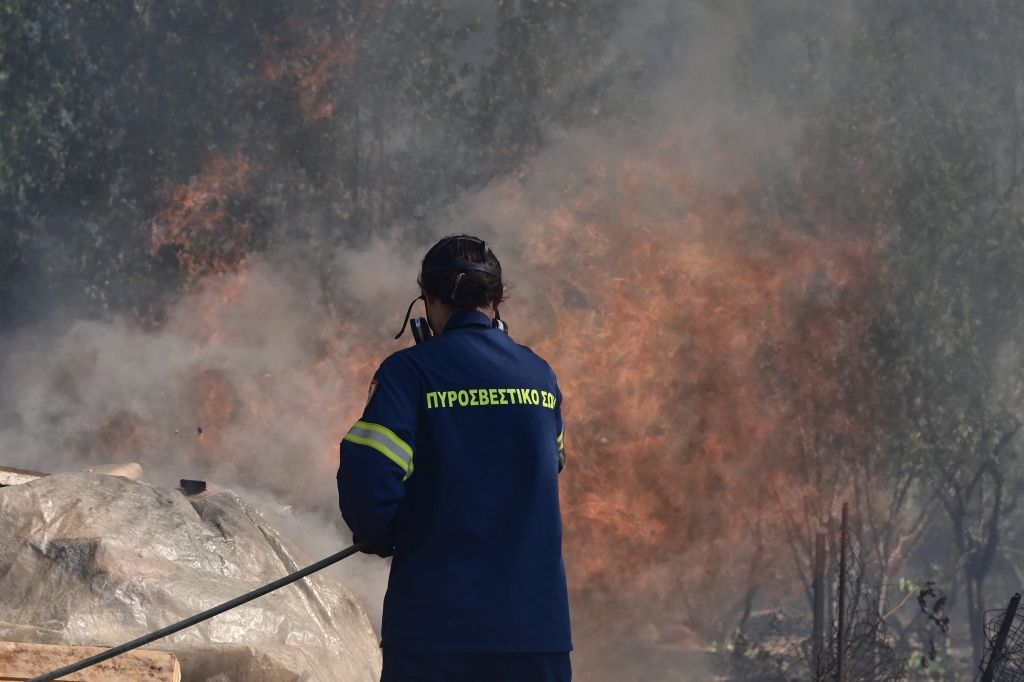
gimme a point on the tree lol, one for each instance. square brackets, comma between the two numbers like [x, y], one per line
[934, 172]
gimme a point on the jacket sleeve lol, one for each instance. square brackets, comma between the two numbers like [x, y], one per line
[377, 457]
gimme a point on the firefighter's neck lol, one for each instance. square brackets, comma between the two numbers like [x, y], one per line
[439, 312]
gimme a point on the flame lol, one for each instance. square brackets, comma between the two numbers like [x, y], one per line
[199, 225]
[709, 356]
[311, 67]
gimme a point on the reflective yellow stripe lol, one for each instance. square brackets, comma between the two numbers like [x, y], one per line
[561, 438]
[384, 441]
[407, 468]
[388, 433]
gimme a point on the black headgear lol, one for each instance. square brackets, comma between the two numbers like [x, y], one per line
[439, 258]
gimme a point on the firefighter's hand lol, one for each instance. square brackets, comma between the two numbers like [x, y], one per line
[383, 547]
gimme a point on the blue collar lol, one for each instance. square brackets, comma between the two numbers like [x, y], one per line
[469, 318]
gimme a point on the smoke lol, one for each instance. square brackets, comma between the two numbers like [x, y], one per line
[706, 341]
[235, 385]
[319, 533]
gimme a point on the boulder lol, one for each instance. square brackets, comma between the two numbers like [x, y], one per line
[92, 559]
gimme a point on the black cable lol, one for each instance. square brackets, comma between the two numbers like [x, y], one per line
[407, 314]
[200, 617]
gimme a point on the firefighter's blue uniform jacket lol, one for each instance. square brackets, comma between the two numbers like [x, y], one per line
[453, 468]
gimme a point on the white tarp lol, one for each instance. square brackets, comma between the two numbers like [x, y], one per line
[98, 560]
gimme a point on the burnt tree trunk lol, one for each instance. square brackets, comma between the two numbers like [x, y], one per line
[979, 562]
[978, 552]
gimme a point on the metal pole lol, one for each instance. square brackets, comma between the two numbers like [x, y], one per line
[200, 617]
[818, 607]
[841, 630]
[997, 646]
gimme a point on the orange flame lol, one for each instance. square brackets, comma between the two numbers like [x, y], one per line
[710, 361]
[198, 223]
[311, 67]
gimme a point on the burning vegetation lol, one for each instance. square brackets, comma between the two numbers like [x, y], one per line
[200, 227]
[713, 363]
[773, 259]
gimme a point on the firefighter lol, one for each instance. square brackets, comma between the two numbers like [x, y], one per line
[452, 470]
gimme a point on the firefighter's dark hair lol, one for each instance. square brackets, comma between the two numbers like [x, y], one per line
[463, 272]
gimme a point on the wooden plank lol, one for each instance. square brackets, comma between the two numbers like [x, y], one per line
[130, 470]
[20, 661]
[12, 476]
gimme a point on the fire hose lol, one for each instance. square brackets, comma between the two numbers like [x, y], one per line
[200, 617]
